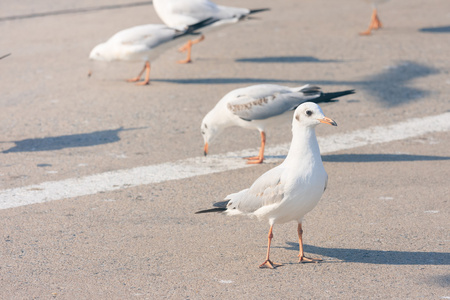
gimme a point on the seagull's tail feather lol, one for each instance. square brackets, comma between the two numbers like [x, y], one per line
[331, 97]
[258, 10]
[218, 207]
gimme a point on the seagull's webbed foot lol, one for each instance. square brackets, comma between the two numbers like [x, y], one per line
[185, 61]
[186, 47]
[143, 82]
[146, 69]
[254, 160]
[304, 259]
[135, 79]
[269, 264]
[367, 32]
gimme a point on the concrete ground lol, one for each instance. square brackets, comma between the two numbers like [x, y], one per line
[382, 227]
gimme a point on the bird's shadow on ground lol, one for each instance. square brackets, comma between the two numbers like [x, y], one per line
[383, 257]
[361, 158]
[441, 29]
[390, 87]
[285, 59]
[67, 141]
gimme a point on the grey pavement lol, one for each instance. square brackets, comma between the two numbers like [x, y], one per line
[382, 227]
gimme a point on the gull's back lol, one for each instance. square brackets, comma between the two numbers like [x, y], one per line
[181, 13]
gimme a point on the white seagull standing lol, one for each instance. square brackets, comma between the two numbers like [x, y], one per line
[143, 43]
[181, 13]
[289, 191]
[259, 106]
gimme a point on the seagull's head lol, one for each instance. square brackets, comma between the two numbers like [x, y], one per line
[100, 52]
[310, 114]
[210, 130]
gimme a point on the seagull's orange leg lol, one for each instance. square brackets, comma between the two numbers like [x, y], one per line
[187, 47]
[375, 23]
[268, 263]
[259, 159]
[147, 75]
[301, 256]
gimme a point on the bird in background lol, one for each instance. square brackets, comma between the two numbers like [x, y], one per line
[292, 189]
[180, 13]
[375, 22]
[144, 43]
[258, 107]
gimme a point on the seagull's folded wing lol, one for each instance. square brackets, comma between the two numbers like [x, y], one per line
[266, 190]
[146, 35]
[265, 103]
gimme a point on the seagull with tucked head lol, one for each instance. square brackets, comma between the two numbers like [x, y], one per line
[258, 107]
[292, 189]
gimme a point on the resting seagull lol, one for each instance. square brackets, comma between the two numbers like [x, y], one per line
[289, 191]
[181, 13]
[143, 43]
[259, 106]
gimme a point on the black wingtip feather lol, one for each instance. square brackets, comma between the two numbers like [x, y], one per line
[255, 11]
[331, 97]
[191, 29]
[217, 209]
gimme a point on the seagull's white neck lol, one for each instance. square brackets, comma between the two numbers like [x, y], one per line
[304, 147]
[220, 118]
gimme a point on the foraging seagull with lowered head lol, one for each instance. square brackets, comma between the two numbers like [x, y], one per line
[181, 13]
[292, 189]
[259, 106]
[144, 43]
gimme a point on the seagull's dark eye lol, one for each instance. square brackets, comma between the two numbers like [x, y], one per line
[309, 113]
[206, 126]
[203, 132]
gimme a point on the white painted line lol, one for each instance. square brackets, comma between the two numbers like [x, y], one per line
[110, 181]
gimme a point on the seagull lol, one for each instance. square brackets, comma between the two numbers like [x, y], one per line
[180, 13]
[143, 43]
[259, 106]
[375, 22]
[292, 189]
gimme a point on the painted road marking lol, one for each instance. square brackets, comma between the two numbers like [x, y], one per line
[115, 180]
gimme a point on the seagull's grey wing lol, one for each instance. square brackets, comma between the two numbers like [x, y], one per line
[266, 190]
[269, 101]
[191, 12]
[149, 35]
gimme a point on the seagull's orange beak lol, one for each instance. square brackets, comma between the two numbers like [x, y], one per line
[205, 149]
[328, 121]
